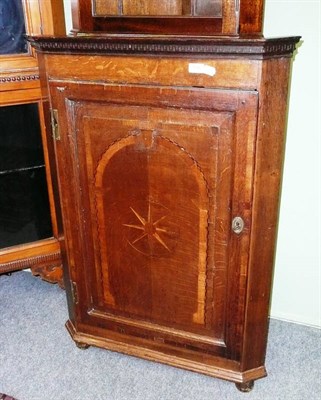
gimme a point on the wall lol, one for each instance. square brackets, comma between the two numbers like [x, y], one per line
[297, 281]
[67, 6]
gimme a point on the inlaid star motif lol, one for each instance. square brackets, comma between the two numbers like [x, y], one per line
[148, 227]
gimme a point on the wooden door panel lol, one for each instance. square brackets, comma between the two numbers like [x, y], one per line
[158, 183]
[147, 275]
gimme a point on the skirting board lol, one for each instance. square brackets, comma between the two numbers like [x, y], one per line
[294, 320]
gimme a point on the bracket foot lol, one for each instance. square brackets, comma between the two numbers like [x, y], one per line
[245, 387]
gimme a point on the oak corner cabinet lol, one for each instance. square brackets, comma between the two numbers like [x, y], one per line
[169, 153]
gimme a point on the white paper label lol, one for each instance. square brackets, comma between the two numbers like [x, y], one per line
[199, 68]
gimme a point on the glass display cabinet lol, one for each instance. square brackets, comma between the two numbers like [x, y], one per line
[169, 120]
[29, 227]
[24, 203]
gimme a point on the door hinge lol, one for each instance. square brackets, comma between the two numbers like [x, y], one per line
[74, 292]
[55, 125]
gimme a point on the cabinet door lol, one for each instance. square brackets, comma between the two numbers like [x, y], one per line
[151, 179]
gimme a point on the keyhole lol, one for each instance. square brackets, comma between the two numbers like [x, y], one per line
[237, 225]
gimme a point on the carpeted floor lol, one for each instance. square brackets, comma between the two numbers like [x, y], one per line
[39, 361]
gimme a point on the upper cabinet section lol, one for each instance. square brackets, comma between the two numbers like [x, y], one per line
[167, 8]
[179, 17]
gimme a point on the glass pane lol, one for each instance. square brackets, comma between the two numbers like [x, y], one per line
[12, 27]
[103, 7]
[208, 8]
[24, 203]
[152, 7]
[203, 8]
[20, 137]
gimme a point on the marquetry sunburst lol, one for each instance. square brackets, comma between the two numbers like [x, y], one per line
[148, 229]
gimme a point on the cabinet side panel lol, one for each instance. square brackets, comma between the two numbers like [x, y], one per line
[229, 17]
[82, 19]
[251, 17]
[269, 160]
